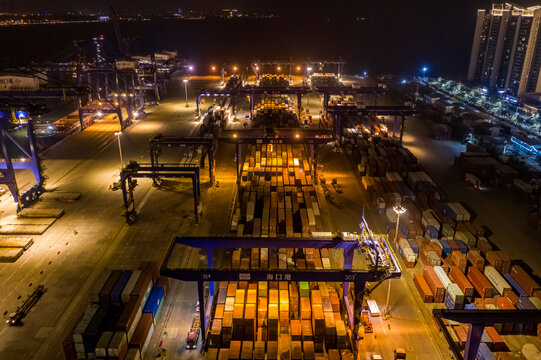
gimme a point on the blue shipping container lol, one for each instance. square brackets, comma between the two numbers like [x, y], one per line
[470, 307]
[484, 352]
[413, 246]
[116, 293]
[154, 301]
[515, 285]
[463, 248]
[446, 247]
[450, 303]
[432, 232]
[524, 303]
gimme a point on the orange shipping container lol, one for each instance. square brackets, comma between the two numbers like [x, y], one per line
[481, 283]
[458, 277]
[423, 288]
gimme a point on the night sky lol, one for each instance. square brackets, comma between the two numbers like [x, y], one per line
[415, 8]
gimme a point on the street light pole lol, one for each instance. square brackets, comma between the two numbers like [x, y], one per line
[118, 133]
[398, 209]
[186, 91]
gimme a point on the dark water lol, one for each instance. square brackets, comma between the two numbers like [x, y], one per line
[400, 46]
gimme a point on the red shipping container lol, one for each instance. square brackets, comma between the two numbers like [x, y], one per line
[423, 288]
[105, 293]
[481, 283]
[152, 267]
[497, 340]
[458, 277]
[504, 303]
[524, 280]
[434, 283]
[462, 334]
[142, 330]
[506, 261]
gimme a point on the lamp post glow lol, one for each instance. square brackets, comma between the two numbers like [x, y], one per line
[399, 210]
[424, 69]
[118, 133]
[186, 91]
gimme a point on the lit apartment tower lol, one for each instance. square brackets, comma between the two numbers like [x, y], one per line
[506, 50]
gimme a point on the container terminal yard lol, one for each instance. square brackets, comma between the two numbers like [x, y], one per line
[272, 212]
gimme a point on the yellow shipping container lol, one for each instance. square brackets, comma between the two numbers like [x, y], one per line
[229, 304]
[239, 296]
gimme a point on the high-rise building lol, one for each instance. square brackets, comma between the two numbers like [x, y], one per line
[506, 50]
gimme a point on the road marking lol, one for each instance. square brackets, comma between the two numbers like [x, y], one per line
[145, 199]
[79, 298]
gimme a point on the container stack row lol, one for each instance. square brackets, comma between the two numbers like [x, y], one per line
[278, 320]
[376, 158]
[276, 196]
[277, 111]
[459, 267]
[120, 319]
[269, 80]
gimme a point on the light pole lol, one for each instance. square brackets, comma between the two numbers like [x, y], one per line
[118, 133]
[424, 70]
[399, 210]
[186, 91]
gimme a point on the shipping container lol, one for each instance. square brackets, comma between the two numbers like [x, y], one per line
[94, 293]
[154, 302]
[130, 316]
[126, 293]
[524, 280]
[481, 284]
[497, 280]
[105, 292]
[143, 333]
[118, 346]
[116, 291]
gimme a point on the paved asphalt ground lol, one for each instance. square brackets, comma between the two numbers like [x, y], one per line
[92, 236]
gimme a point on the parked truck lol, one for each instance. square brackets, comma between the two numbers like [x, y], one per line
[193, 335]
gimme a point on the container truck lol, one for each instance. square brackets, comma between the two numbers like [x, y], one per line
[193, 334]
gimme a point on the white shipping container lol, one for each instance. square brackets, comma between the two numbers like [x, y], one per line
[373, 307]
[126, 293]
[404, 244]
[327, 235]
[456, 210]
[442, 276]
[464, 213]
[497, 280]
[135, 322]
[147, 293]
[89, 313]
[15, 83]
[409, 255]
[456, 294]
